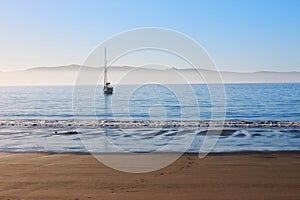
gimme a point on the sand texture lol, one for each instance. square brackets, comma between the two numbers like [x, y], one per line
[218, 176]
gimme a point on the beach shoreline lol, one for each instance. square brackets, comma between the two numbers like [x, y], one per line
[241, 175]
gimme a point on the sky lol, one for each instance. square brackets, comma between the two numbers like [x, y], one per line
[239, 35]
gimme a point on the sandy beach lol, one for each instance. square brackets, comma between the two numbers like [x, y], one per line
[218, 176]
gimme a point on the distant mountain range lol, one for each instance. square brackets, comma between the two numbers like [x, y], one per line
[67, 75]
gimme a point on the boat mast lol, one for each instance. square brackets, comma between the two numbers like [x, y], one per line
[107, 89]
[105, 68]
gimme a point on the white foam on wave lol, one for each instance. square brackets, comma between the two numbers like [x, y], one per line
[104, 123]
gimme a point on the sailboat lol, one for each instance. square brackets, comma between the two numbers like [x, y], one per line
[107, 89]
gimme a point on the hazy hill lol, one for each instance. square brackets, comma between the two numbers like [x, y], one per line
[67, 75]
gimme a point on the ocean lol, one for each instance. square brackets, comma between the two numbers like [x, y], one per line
[151, 118]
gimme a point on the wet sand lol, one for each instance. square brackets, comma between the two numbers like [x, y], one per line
[218, 176]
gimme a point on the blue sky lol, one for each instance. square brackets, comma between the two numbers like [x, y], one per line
[239, 35]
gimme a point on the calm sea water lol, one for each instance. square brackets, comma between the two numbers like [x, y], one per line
[54, 107]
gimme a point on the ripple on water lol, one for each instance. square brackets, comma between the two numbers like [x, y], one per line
[28, 139]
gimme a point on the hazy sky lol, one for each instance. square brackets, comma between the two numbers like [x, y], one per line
[240, 35]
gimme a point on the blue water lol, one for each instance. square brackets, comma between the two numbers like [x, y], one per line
[244, 102]
[247, 102]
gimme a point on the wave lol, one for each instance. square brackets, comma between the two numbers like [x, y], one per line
[130, 124]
